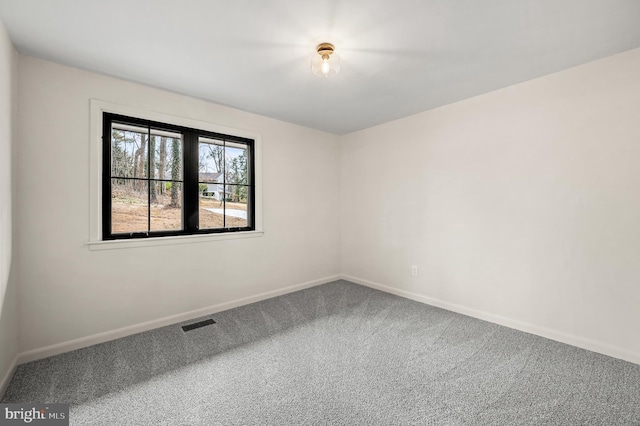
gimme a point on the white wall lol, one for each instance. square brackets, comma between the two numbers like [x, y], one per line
[521, 206]
[68, 292]
[8, 290]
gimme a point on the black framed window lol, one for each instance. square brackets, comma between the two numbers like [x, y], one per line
[161, 180]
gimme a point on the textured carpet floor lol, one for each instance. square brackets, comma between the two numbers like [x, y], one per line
[335, 354]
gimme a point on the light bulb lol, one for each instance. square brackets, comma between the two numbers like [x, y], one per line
[325, 66]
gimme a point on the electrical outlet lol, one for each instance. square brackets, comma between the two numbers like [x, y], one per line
[414, 270]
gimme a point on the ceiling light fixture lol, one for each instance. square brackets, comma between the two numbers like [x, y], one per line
[326, 63]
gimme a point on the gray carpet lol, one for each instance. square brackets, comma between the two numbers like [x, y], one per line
[341, 354]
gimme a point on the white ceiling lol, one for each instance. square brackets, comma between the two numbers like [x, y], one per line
[398, 57]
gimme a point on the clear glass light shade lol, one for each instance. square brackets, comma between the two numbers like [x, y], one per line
[325, 66]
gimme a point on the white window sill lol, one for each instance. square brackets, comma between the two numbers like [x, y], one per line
[163, 241]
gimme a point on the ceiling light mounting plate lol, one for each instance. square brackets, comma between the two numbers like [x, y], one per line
[325, 49]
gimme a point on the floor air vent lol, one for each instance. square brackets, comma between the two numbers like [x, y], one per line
[195, 325]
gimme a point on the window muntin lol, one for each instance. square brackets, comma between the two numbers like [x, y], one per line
[155, 186]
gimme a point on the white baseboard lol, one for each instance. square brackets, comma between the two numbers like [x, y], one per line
[84, 342]
[4, 383]
[569, 339]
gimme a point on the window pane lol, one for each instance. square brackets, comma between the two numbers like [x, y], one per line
[211, 216]
[236, 163]
[166, 155]
[129, 206]
[236, 206]
[128, 152]
[166, 206]
[210, 160]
